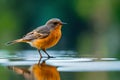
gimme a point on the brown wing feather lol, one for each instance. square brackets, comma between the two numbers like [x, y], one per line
[40, 32]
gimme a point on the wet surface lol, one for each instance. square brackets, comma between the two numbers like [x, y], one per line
[67, 63]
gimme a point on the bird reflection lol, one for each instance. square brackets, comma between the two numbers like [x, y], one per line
[40, 71]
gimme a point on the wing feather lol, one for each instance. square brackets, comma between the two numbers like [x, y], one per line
[40, 32]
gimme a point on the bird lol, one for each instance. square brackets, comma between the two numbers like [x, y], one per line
[43, 37]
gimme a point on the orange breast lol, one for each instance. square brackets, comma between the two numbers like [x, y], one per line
[49, 41]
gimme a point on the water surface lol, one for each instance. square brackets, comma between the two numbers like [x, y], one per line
[65, 65]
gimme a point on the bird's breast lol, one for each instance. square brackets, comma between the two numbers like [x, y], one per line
[49, 41]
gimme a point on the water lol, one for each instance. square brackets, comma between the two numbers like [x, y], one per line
[65, 66]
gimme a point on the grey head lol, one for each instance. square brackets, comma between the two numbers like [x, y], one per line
[52, 23]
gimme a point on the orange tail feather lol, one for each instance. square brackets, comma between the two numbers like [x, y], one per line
[15, 41]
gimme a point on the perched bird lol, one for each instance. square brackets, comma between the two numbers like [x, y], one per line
[44, 36]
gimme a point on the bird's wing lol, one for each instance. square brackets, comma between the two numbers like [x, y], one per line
[40, 32]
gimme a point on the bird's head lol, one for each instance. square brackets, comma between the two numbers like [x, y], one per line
[54, 22]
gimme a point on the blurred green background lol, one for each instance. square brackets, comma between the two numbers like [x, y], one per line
[93, 27]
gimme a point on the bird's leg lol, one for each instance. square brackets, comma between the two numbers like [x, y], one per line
[39, 61]
[47, 53]
[40, 53]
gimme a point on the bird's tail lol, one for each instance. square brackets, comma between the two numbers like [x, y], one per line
[15, 41]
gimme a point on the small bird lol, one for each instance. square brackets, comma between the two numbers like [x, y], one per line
[43, 37]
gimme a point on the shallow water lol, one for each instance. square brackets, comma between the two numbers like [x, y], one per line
[65, 65]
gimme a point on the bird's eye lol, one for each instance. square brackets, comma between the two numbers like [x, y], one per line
[55, 23]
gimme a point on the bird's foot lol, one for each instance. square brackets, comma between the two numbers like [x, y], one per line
[51, 57]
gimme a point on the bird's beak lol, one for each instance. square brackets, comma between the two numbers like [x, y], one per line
[63, 23]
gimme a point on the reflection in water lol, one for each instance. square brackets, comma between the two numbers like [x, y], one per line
[70, 67]
[40, 71]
